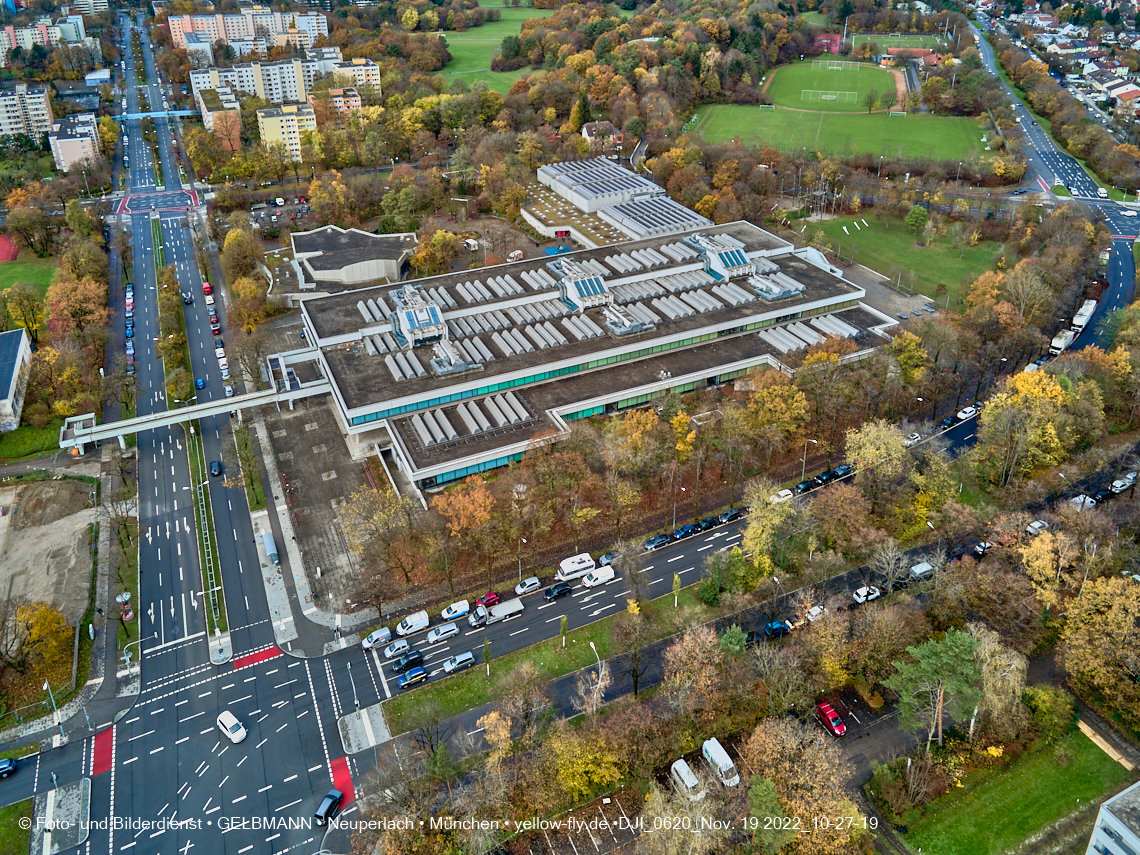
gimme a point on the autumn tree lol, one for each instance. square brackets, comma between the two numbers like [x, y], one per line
[764, 522]
[940, 675]
[872, 99]
[842, 515]
[77, 304]
[681, 826]
[522, 699]
[1099, 643]
[878, 450]
[26, 306]
[583, 760]
[631, 632]
[691, 671]
[1002, 671]
[47, 637]
[1045, 558]
[805, 767]
[241, 253]
[380, 526]
[783, 685]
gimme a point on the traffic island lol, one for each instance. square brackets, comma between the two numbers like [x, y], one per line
[61, 817]
[363, 729]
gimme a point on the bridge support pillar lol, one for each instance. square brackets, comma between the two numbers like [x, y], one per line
[122, 441]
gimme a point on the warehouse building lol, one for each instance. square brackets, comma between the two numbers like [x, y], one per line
[461, 373]
[332, 257]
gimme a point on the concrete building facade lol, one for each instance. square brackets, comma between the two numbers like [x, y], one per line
[74, 140]
[1117, 827]
[287, 80]
[24, 110]
[221, 114]
[15, 359]
[299, 29]
[286, 124]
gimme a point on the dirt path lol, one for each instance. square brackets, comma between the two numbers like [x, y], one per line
[900, 88]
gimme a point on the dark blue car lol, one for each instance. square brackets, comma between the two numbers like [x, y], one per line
[657, 541]
[776, 629]
[731, 515]
[684, 531]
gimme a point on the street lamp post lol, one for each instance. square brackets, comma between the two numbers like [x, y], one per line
[518, 551]
[598, 685]
[47, 688]
[803, 469]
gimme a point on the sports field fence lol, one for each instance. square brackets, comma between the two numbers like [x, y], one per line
[837, 96]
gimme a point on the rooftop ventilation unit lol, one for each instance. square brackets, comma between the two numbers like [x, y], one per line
[620, 321]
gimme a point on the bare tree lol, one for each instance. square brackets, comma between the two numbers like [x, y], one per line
[590, 688]
[889, 562]
[631, 633]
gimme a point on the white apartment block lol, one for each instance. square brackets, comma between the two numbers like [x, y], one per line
[287, 80]
[89, 7]
[45, 34]
[200, 44]
[285, 125]
[74, 139]
[277, 28]
[25, 111]
[1117, 827]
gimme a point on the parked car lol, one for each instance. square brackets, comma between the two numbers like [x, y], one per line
[397, 648]
[707, 523]
[913, 439]
[376, 638]
[781, 496]
[843, 470]
[442, 633]
[527, 586]
[229, 390]
[231, 727]
[1102, 495]
[657, 541]
[7, 767]
[206, 289]
[967, 413]
[731, 515]
[407, 662]
[823, 478]
[459, 662]
[488, 599]
[456, 610]
[1082, 503]
[947, 422]
[1036, 527]
[598, 577]
[607, 559]
[830, 719]
[1123, 482]
[329, 806]
[411, 678]
[866, 594]
[815, 613]
[802, 487]
[556, 591]
[982, 547]
[776, 629]
[684, 531]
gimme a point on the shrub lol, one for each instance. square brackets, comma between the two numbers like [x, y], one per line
[1053, 709]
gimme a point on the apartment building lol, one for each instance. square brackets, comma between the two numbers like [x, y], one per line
[25, 111]
[74, 139]
[90, 7]
[286, 124]
[287, 80]
[199, 43]
[277, 28]
[221, 114]
[46, 34]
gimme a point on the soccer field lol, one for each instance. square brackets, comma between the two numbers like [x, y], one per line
[804, 86]
[938, 137]
[884, 41]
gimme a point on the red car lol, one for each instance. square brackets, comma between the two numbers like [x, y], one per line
[206, 289]
[830, 719]
[488, 599]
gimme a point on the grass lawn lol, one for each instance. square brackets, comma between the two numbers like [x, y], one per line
[889, 247]
[472, 50]
[815, 18]
[27, 268]
[13, 838]
[26, 440]
[884, 40]
[1000, 810]
[938, 137]
[788, 84]
[1058, 190]
[472, 688]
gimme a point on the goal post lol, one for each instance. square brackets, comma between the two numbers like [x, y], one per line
[836, 96]
[771, 107]
[899, 113]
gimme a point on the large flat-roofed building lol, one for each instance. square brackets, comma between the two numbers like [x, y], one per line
[74, 139]
[221, 114]
[1117, 827]
[332, 256]
[461, 373]
[602, 190]
[285, 125]
[276, 28]
[15, 358]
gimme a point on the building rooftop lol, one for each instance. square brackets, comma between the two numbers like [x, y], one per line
[552, 210]
[524, 317]
[9, 357]
[76, 126]
[1126, 808]
[595, 179]
[218, 99]
[285, 110]
[332, 247]
[657, 215]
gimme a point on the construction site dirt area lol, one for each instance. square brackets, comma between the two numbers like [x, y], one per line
[44, 536]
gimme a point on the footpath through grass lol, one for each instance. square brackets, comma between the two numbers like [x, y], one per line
[993, 814]
[890, 248]
[935, 137]
[473, 688]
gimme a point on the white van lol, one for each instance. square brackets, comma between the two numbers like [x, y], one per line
[575, 567]
[598, 576]
[470, 245]
[921, 571]
[720, 763]
[1101, 192]
[685, 780]
[413, 623]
